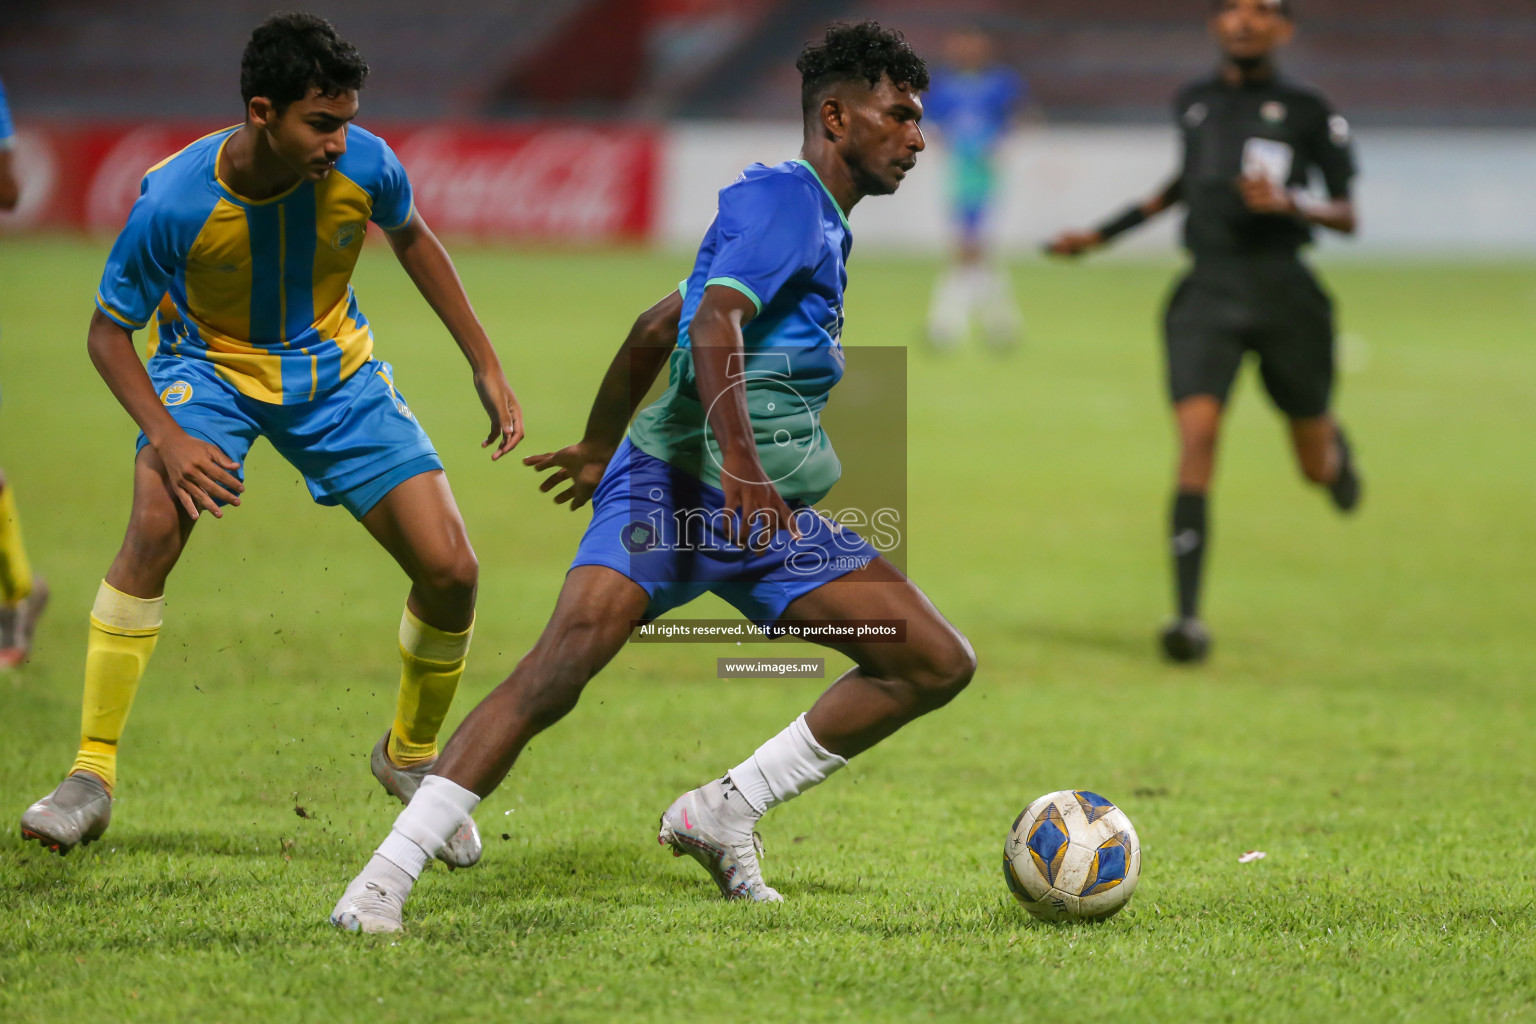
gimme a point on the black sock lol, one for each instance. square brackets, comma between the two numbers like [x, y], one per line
[1345, 488]
[1346, 468]
[1188, 536]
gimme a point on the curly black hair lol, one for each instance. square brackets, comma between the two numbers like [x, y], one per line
[290, 53]
[863, 52]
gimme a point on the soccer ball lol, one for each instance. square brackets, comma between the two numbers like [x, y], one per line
[1072, 856]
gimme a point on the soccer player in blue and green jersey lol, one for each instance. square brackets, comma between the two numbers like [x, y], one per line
[974, 102]
[710, 491]
[23, 593]
[250, 236]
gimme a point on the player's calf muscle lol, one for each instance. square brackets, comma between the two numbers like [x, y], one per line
[550, 679]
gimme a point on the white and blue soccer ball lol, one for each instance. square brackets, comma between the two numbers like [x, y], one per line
[1072, 856]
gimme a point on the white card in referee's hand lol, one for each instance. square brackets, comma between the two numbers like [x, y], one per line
[1267, 159]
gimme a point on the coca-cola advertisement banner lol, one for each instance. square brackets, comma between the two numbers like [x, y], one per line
[545, 182]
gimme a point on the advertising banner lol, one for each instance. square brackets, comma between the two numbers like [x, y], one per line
[527, 183]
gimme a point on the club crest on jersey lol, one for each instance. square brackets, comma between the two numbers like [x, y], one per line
[638, 537]
[1195, 115]
[346, 235]
[1273, 111]
[178, 393]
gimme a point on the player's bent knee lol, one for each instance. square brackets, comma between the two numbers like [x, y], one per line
[945, 672]
[456, 577]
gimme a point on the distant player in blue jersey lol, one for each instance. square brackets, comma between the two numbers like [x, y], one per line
[23, 593]
[973, 103]
[250, 236]
[710, 491]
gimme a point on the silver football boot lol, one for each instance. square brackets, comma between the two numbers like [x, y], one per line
[75, 814]
[18, 622]
[463, 848]
[699, 824]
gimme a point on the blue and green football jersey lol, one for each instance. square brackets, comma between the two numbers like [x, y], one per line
[780, 239]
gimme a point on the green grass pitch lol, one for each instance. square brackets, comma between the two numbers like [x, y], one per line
[1365, 720]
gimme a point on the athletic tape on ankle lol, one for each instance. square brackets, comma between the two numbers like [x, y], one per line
[428, 643]
[798, 762]
[784, 767]
[403, 854]
[124, 614]
[435, 813]
[824, 758]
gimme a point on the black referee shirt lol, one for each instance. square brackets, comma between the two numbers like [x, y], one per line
[1276, 129]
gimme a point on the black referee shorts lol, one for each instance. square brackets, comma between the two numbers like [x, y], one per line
[1275, 308]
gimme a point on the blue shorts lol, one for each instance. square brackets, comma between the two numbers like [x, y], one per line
[663, 528]
[353, 444]
[971, 220]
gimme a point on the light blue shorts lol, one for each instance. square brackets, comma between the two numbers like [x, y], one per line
[353, 444]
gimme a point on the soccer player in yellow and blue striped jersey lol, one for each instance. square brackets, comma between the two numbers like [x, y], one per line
[23, 593]
[245, 243]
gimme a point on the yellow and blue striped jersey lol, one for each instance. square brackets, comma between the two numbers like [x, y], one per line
[263, 290]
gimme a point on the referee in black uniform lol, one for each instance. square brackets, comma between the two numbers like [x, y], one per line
[1253, 142]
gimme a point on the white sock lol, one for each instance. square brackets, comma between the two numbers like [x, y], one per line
[428, 821]
[949, 311]
[392, 876]
[784, 767]
[997, 308]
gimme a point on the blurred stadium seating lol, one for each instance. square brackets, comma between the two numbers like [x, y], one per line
[616, 120]
[1398, 62]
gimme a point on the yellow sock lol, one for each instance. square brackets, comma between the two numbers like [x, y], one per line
[431, 662]
[15, 570]
[124, 629]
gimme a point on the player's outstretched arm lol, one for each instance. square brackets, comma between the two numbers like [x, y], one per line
[430, 269]
[757, 510]
[630, 375]
[1076, 243]
[200, 474]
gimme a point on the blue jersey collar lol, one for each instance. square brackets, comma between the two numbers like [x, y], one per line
[841, 215]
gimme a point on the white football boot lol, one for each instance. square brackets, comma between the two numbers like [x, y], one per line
[463, 848]
[705, 824]
[375, 900]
